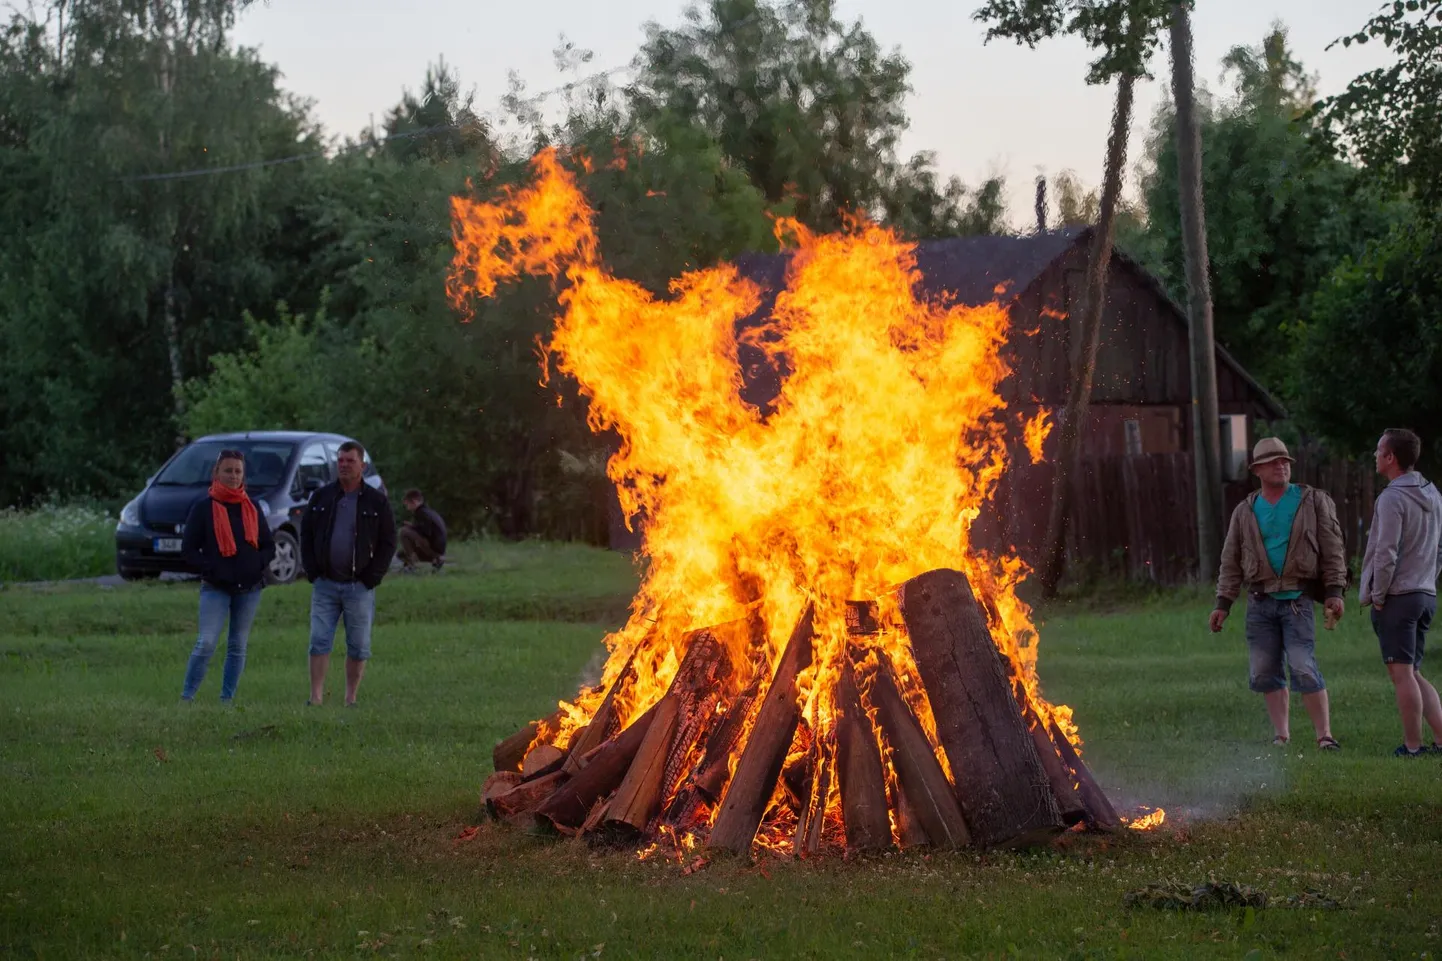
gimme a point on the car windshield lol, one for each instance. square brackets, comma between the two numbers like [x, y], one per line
[264, 463]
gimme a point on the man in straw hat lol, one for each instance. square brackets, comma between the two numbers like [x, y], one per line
[1284, 546]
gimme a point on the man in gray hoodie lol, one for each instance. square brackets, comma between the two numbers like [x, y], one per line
[1399, 581]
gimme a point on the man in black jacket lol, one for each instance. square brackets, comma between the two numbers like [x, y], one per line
[423, 537]
[348, 537]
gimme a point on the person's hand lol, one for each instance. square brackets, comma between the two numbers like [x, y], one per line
[1335, 607]
[1218, 618]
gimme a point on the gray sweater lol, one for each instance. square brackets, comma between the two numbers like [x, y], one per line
[1404, 546]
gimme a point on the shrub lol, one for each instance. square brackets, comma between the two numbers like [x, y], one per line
[56, 543]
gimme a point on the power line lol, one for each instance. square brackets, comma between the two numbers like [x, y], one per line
[362, 145]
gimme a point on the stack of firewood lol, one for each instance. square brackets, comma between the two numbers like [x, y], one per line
[681, 766]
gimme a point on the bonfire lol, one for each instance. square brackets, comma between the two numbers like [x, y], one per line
[818, 658]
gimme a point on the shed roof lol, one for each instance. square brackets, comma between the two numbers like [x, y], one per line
[971, 269]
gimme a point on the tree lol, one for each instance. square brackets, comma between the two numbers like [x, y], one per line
[1391, 118]
[1284, 208]
[811, 108]
[1124, 32]
[1369, 355]
[118, 277]
[1206, 445]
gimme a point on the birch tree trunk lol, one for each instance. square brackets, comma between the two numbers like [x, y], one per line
[1084, 353]
[1206, 428]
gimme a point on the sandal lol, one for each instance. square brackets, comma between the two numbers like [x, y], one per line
[1280, 741]
[1328, 743]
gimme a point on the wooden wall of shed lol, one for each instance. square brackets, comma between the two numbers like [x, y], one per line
[1143, 359]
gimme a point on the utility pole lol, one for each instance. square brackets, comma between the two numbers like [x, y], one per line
[1206, 424]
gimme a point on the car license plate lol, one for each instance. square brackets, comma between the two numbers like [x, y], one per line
[167, 545]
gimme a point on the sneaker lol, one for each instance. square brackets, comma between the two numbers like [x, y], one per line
[437, 564]
[1280, 741]
[1403, 752]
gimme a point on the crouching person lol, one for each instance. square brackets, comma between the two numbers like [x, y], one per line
[423, 537]
[1284, 547]
[228, 541]
[348, 537]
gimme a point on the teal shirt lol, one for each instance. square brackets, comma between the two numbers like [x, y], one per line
[1275, 520]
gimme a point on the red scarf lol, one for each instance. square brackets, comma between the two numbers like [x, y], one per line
[220, 495]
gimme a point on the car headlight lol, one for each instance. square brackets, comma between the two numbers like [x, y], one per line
[130, 514]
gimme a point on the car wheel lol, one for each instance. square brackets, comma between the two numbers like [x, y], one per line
[130, 574]
[285, 565]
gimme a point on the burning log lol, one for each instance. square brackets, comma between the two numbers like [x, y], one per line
[542, 759]
[509, 752]
[928, 793]
[1000, 783]
[1068, 800]
[1100, 815]
[703, 786]
[812, 809]
[568, 807]
[863, 780]
[908, 828]
[517, 804]
[639, 796]
[498, 784]
[689, 705]
[603, 723]
[750, 789]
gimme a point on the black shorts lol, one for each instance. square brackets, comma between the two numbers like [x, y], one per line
[1401, 626]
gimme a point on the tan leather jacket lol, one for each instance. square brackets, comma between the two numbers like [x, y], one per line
[1316, 558]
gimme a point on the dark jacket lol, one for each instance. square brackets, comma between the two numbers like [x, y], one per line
[375, 536]
[430, 526]
[242, 572]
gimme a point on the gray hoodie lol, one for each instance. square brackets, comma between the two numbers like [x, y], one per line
[1404, 546]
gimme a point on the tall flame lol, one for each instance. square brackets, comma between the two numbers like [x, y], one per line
[870, 466]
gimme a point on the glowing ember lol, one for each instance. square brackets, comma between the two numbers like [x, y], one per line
[869, 468]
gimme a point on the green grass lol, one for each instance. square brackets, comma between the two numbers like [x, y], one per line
[53, 543]
[133, 827]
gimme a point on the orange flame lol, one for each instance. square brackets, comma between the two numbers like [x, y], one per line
[869, 468]
[1148, 822]
[1035, 431]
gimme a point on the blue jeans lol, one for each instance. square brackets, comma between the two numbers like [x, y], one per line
[215, 607]
[330, 601]
[1281, 636]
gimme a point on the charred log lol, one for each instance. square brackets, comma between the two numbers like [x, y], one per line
[863, 780]
[1100, 815]
[744, 804]
[928, 792]
[1000, 783]
[599, 776]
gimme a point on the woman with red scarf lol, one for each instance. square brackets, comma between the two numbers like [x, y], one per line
[229, 542]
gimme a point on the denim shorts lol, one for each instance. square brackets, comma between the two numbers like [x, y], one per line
[1280, 640]
[334, 601]
[1401, 626]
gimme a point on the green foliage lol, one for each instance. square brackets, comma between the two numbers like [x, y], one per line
[1390, 118]
[1124, 33]
[117, 287]
[284, 382]
[1282, 209]
[56, 543]
[1370, 353]
[810, 107]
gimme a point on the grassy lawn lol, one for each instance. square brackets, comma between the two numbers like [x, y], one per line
[134, 827]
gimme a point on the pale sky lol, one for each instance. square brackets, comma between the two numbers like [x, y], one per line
[983, 109]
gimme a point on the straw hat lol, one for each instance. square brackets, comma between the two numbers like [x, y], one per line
[1269, 449]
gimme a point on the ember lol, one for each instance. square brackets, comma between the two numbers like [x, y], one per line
[818, 658]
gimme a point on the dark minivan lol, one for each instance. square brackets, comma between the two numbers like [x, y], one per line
[282, 470]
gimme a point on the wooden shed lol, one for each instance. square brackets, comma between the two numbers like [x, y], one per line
[1136, 502]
